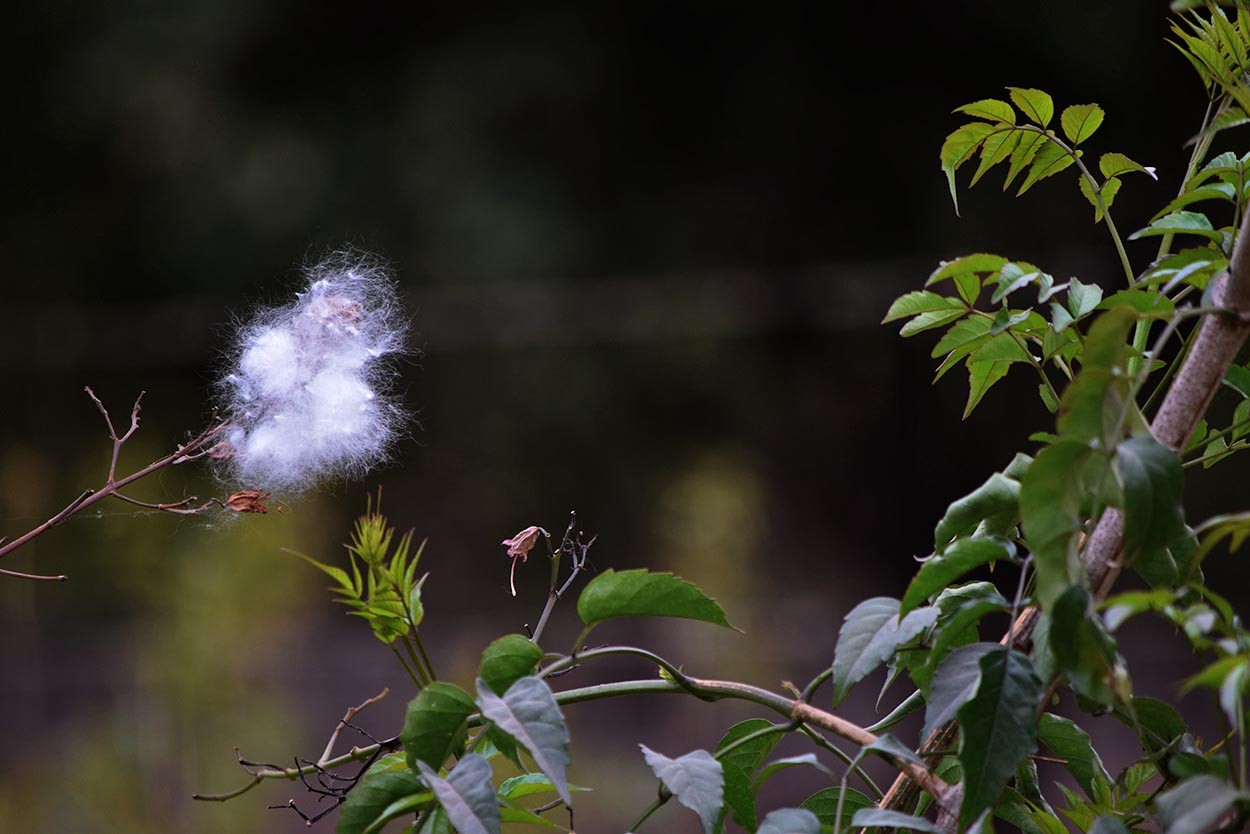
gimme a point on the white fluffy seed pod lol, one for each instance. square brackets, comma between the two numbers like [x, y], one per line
[309, 392]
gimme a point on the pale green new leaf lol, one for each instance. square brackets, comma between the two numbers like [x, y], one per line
[958, 148]
[990, 109]
[1050, 159]
[1116, 164]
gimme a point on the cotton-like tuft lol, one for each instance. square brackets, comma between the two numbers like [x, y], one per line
[309, 392]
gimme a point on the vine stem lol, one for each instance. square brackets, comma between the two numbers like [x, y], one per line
[711, 690]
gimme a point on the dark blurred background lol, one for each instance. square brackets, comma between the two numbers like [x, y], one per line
[646, 248]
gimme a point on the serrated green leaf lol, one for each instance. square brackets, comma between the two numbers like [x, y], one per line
[695, 779]
[641, 593]
[1051, 496]
[958, 148]
[920, 301]
[529, 713]
[1072, 744]
[1237, 377]
[467, 795]
[436, 723]
[978, 262]
[996, 147]
[1145, 302]
[529, 784]
[1107, 191]
[749, 755]
[928, 321]
[824, 804]
[868, 637]
[369, 805]
[1035, 104]
[790, 821]
[1082, 298]
[1117, 164]
[1022, 155]
[990, 109]
[970, 331]
[1157, 723]
[954, 684]
[1180, 222]
[1049, 160]
[1092, 405]
[739, 797]
[1080, 121]
[507, 660]
[982, 376]
[959, 558]
[999, 728]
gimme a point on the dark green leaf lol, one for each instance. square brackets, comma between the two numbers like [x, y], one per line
[999, 728]
[960, 557]
[367, 804]
[1035, 104]
[436, 724]
[1180, 222]
[868, 637]
[750, 755]
[920, 301]
[990, 109]
[824, 804]
[954, 684]
[739, 796]
[1070, 743]
[1143, 301]
[1150, 477]
[1158, 723]
[995, 502]
[790, 821]
[806, 759]
[1051, 495]
[1237, 377]
[893, 819]
[695, 779]
[1080, 121]
[529, 713]
[467, 795]
[507, 660]
[958, 148]
[1081, 646]
[1196, 804]
[640, 593]
[1092, 404]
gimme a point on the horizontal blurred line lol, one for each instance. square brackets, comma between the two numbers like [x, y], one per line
[702, 304]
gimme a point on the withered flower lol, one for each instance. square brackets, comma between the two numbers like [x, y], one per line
[248, 501]
[519, 547]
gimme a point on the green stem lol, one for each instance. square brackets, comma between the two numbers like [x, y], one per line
[416, 661]
[651, 809]
[407, 668]
[429, 667]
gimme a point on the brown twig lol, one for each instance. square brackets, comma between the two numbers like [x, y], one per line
[1220, 337]
[351, 713]
[197, 447]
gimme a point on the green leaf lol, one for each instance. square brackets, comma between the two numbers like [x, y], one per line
[1180, 222]
[434, 822]
[739, 796]
[467, 795]
[1106, 191]
[1091, 405]
[1035, 104]
[824, 804]
[1237, 377]
[982, 376]
[1070, 743]
[529, 713]
[979, 262]
[529, 784]
[1049, 160]
[995, 503]
[1117, 164]
[893, 819]
[1157, 722]
[1022, 155]
[640, 593]
[928, 321]
[1051, 495]
[1081, 646]
[954, 684]
[809, 759]
[1150, 477]
[790, 821]
[958, 148]
[1082, 298]
[1080, 121]
[507, 660]
[938, 572]
[517, 814]
[367, 805]
[1108, 825]
[1196, 804]
[996, 148]
[750, 755]
[964, 337]
[868, 637]
[695, 779]
[962, 608]
[920, 301]
[1146, 302]
[999, 728]
[436, 724]
[990, 109]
